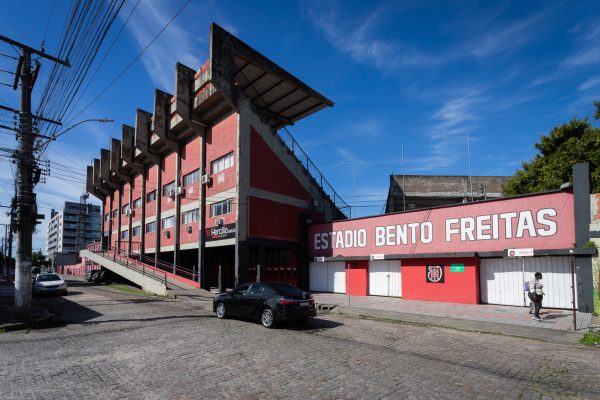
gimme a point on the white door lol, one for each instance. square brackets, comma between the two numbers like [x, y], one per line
[318, 277]
[501, 280]
[336, 277]
[328, 277]
[385, 278]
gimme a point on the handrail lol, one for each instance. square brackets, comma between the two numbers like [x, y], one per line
[120, 258]
[144, 261]
[313, 171]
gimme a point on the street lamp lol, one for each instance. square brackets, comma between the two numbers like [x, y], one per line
[103, 120]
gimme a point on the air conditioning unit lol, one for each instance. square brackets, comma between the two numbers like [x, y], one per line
[189, 229]
[129, 211]
[180, 191]
[219, 221]
[171, 193]
[205, 180]
[167, 234]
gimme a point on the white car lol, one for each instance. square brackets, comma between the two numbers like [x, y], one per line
[49, 283]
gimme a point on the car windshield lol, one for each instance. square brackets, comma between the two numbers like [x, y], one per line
[286, 289]
[48, 277]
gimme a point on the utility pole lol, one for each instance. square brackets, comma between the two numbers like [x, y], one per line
[26, 207]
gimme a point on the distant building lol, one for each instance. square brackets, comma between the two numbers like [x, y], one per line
[70, 229]
[411, 192]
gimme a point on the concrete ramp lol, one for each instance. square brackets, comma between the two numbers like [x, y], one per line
[150, 279]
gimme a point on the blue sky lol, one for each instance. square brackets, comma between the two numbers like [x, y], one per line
[418, 74]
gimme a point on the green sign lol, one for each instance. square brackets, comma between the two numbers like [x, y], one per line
[457, 267]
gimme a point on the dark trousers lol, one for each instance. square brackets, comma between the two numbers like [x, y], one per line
[536, 299]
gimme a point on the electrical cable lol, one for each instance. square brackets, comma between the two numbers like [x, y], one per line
[103, 91]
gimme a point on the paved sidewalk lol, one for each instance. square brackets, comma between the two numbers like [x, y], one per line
[516, 321]
[8, 321]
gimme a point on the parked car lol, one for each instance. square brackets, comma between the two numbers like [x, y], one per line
[90, 275]
[269, 302]
[49, 283]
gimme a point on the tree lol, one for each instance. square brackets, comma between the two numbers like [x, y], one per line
[567, 144]
[39, 260]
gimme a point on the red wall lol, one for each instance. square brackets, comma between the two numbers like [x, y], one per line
[107, 210]
[114, 234]
[190, 161]
[137, 194]
[151, 184]
[272, 220]
[458, 287]
[269, 173]
[357, 272]
[168, 173]
[221, 140]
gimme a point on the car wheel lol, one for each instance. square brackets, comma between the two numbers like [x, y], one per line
[66, 292]
[221, 311]
[267, 318]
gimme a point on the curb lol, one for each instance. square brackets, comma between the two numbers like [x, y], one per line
[494, 328]
[17, 326]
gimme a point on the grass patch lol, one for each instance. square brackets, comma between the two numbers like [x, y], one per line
[129, 290]
[591, 339]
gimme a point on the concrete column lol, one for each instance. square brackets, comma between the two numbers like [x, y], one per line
[143, 213]
[583, 265]
[158, 204]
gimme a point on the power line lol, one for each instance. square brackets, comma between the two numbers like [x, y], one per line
[131, 62]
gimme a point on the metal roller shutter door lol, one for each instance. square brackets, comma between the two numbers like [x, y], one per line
[501, 280]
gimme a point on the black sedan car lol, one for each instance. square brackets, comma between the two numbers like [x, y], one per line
[270, 302]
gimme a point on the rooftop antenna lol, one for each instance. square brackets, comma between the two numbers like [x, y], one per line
[470, 177]
[403, 192]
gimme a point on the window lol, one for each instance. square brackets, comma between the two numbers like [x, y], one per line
[168, 187]
[151, 227]
[220, 208]
[137, 203]
[137, 230]
[168, 222]
[124, 234]
[189, 216]
[191, 178]
[115, 213]
[125, 208]
[150, 197]
[221, 163]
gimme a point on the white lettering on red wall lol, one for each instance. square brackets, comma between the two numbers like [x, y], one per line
[543, 222]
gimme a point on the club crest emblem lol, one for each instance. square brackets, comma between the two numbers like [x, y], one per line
[435, 274]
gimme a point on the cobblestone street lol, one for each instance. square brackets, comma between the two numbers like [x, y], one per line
[107, 344]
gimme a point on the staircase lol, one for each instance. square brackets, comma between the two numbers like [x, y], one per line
[153, 276]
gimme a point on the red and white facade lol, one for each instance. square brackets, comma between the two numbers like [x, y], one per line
[459, 254]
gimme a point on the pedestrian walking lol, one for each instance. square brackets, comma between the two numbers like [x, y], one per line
[536, 294]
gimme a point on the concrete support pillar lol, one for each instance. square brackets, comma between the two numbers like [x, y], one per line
[583, 265]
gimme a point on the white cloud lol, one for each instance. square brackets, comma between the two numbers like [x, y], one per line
[506, 37]
[361, 42]
[589, 84]
[448, 134]
[175, 44]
